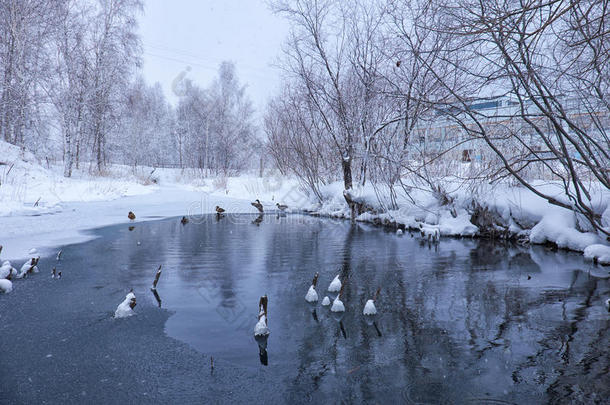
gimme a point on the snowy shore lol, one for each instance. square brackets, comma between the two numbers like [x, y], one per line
[501, 212]
[40, 208]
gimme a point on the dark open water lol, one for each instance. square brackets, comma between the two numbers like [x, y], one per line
[464, 321]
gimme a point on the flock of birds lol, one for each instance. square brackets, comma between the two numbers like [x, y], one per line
[256, 204]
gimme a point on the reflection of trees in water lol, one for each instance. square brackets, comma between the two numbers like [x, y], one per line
[142, 260]
[452, 320]
[571, 360]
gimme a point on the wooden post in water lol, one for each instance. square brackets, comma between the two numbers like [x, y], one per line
[154, 287]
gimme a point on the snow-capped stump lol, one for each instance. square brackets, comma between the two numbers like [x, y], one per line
[6, 286]
[312, 295]
[608, 304]
[7, 271]
[369, 307]
[337, 303]
[261, 328]
[430, 233]
[598, 253]
[399, 232]
[29, 267]
[326, 301]
[335, 285]
[126, 307]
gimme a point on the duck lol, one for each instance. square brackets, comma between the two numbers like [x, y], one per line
[131, 215]
[369, 307]
[54, 273]
[312, 295]
[219, 210]
[281, 207]
[337, 303]
[261, 328]
[125, 308]
[184, 221]
[326, 301]
[257, 204]
[335, 285]
[399, 232]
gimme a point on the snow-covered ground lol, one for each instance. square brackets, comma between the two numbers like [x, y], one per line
[40, 208]
[68, 207]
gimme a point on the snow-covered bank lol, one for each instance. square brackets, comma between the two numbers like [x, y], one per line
[40, 208]
[500, 211]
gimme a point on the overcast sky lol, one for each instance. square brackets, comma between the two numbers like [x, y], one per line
[202, 33]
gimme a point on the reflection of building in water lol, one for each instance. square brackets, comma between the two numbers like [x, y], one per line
[519, 129]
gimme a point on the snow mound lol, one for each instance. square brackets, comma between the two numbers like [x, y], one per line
[459, 226]
[599, 253]
[559, 227]
[7, 270]
[125, 308]
[6, 286]
[261, 329]
[369, 308]
[28, 267]
[312, 295]
[335, 285]
[326, 301]
[337, 306]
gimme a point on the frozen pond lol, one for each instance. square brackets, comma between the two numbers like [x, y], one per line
[464, 321]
